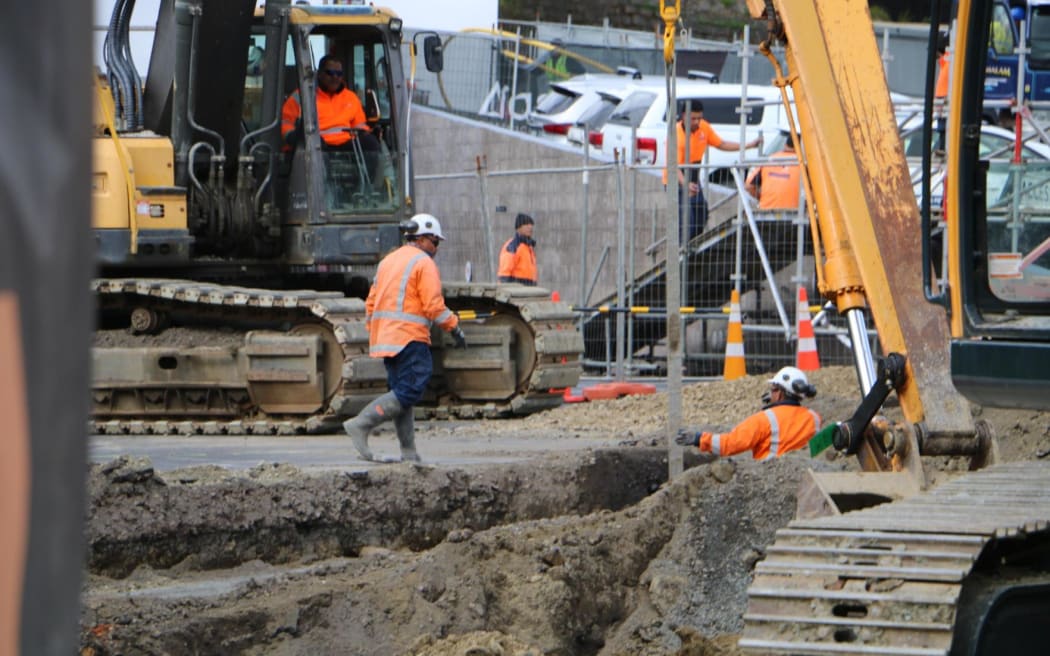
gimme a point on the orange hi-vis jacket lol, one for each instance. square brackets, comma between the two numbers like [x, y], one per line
[780, 182]
[517, 261]
[778, 429]
[404, 301]
[943, 72]
[335, 112]
[704, 136]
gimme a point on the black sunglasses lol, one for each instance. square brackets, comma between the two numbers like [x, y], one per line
[332, 72]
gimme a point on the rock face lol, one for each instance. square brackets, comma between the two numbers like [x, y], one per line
[710, 19]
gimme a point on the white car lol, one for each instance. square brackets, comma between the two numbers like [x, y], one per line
[643, 116]
[996, 146]
[565, 102]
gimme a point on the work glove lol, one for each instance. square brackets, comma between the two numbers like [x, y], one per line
[295, 134]
[687, 437]
[459, 338]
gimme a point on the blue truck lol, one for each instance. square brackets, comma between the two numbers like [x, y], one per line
[1004, 37]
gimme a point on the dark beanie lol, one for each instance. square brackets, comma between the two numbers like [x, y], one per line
[522, 219]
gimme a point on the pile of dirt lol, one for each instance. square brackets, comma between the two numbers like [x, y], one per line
[593, 552]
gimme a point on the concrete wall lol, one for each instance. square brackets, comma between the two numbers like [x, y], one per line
[448, 145]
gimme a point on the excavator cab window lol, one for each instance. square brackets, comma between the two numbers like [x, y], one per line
[1001, 35]
[1039, 37]
[1012, 234]
[360, 174]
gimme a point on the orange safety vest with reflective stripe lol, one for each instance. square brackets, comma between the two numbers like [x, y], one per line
[335, 112]
[780, 183]
[517, 261]
[404, 301]
[704, 136]
[778, 429]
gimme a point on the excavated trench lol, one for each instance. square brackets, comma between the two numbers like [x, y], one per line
[584, 554]
[274, 514]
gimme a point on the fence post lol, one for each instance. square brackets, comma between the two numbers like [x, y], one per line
[585, 190]
[485, 222]
[621, 295]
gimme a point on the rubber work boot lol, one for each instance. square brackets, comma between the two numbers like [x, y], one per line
[405, 424]
[383, 408]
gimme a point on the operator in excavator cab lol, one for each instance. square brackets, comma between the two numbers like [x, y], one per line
[783, 425]
[340, 115]
[404, 301]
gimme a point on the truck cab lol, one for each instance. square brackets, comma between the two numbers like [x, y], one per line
[1005, 37]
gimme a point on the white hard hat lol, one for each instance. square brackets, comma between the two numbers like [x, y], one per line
[794, 382]
[426, 224]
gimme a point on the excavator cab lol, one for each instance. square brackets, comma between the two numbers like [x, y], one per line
[362, 175]
[221, 75]
[998, 209]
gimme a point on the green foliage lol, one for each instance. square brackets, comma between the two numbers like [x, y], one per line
[879, 13]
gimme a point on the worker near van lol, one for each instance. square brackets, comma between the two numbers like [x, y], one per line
[776, 185]
[701, 135]
[783, 425]
[404, 301]
[517, 258]
[340, 116]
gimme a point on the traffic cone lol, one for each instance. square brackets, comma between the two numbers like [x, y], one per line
[734, 364]
[807, 358]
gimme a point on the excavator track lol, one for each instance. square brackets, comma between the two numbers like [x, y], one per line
[302, 365]
[888, 579]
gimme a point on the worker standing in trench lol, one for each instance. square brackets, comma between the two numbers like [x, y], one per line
[783, 425]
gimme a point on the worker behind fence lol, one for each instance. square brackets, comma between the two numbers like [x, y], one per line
[783, 425]
[340, 117]
[691, 202]
[940, 90]
[404, 301]
[776, 185]
[517, 258]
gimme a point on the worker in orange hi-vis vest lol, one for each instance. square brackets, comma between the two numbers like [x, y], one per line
[940, 90]
[776, 185]
[517, 258]
[783, 425]
[404, 301]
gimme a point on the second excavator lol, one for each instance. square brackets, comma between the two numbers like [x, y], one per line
[234, 250]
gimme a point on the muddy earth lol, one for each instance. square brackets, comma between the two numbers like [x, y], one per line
[590, 552]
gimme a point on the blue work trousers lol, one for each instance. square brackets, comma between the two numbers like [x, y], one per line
[692, 213]
[408, 373]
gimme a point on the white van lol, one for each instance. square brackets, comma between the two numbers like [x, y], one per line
[643, 113]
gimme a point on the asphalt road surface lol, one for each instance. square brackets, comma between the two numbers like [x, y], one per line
[440, 446]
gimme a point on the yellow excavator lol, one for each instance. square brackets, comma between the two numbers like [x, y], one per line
[876, 563]
[234, 252]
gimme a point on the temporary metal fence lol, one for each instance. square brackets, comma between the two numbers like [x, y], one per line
[618, 293]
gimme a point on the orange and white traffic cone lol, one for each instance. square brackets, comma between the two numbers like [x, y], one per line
[807, 358]
[735, 367]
